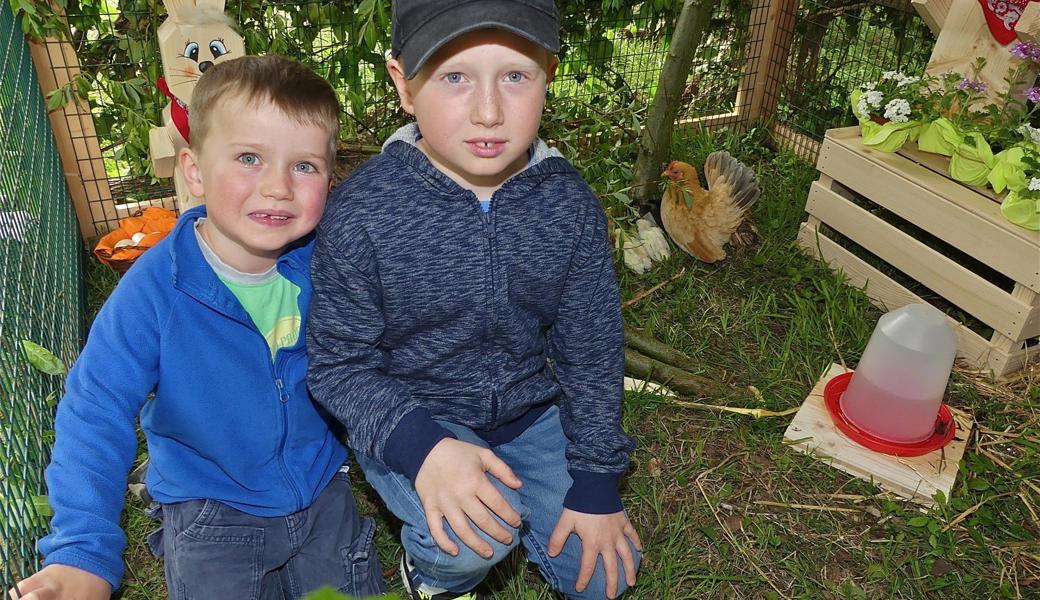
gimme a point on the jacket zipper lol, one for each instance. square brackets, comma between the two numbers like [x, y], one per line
[488, 222]
[283, 401]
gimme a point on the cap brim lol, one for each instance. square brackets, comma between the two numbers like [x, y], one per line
[446, 26]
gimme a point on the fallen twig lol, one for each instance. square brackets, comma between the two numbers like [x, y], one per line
[650, 291]
[726, 531]
[684, 382]
[807, 506]
[1029, 507]
[641, 342]
[968, 513]
[758, 413]
[1001, 463]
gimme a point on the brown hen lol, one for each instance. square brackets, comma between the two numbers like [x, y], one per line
[701, 221]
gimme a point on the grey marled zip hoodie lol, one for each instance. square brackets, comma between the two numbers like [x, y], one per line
[426, 309]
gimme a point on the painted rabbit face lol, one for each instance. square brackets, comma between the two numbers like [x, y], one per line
[194, 37]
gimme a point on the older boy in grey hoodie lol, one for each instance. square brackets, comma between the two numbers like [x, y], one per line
[466, 325]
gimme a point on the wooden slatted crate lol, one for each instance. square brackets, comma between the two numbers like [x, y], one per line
[973, 259]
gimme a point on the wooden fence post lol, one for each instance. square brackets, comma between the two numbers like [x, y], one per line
[73, 127]
[759, 89]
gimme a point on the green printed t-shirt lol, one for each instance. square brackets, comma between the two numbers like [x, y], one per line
[273, 307]
[271, 300]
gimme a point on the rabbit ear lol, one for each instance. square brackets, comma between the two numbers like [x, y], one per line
[211, 6]
[195, 11]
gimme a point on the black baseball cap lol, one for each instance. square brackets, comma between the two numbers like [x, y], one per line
[421, 28]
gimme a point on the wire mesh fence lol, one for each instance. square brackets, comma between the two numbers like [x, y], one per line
[833, 47]
[609, 61]
[39, 298]
[789, 60]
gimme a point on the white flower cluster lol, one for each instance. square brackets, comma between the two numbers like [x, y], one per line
[897, 110]
[1034, 184]
[869, 100]
[899, 78]
[1030, 133]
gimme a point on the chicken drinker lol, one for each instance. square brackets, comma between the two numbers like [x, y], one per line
[896, 392]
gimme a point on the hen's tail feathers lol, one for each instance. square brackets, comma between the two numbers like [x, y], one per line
[721, 168]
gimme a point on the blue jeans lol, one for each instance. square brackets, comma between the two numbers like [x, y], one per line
[211, 550]
[537, 458]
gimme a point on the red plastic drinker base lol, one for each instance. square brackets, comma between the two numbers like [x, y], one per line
[945, 425]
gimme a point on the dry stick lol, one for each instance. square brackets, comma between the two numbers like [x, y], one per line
[997, 460]
[642, 342]
[642, 295]
[1025, 500]
[732, 538]
[968, 513]
[684, 382]
[758, 413]
[807, 506]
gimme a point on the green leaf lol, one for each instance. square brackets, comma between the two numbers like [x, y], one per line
[43, 359]
[327, 593]
[55, 100]
[978, 485]
[42, 506]
[919, 521]
[687, 197]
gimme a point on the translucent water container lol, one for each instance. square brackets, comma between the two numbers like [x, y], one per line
[898, 387]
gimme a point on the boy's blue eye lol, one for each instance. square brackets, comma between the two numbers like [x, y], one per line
[306, 167]
[249, 159]
[515, 76]
[453, 77]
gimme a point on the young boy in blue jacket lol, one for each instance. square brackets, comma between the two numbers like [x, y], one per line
[202, 339]
[466, 324]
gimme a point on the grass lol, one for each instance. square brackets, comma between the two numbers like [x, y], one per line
[771, 318]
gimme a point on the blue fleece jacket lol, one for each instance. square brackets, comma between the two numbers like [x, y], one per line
[225, 422]
[425, 308]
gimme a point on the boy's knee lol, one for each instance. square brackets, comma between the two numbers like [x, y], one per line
[467, 563]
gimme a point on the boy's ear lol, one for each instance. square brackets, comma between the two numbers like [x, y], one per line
[188, 161]
[550, 72]
[396, 70]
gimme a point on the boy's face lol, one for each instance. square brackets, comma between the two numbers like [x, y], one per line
[264, 178]
[478, 102]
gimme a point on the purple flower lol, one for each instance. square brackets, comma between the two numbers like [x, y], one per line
[1027, 51]
[1032, 94]
[970, 85]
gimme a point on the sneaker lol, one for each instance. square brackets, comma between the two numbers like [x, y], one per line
[135, 482]
[422, 591]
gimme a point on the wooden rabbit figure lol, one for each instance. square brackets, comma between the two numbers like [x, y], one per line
[195, 35]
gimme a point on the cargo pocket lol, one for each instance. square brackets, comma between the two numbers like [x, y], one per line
[364, 575]
[220, 561]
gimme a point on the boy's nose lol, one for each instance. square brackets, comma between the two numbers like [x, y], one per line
[488, 108]
[275, 185]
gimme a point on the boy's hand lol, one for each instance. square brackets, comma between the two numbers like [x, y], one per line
[601, 535]
[62, 582]
[452, 485]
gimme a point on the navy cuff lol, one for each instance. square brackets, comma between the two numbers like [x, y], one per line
[594, 493]
[409, 443]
